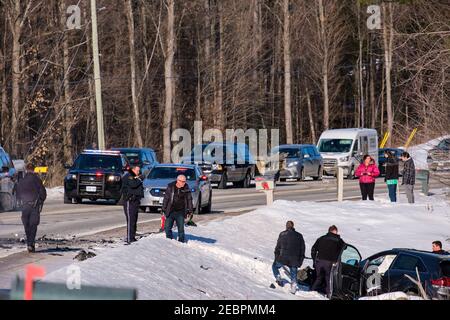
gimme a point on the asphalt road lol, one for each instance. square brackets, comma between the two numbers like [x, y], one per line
[60, 220]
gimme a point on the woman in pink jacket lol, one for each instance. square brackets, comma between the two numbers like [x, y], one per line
[367, 173]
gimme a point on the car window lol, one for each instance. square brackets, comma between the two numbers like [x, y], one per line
[97, 162]
[291, 152]
[154, 157]
[408, 263]
[380, 264]
[133, 157]
[350, 256]
[335, 145]
[171, 173]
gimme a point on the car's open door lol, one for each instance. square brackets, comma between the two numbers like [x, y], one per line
[346, 274]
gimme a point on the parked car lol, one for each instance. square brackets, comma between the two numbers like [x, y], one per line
[8, 182]
[382, 159]
[386, 272]
[95, 175]
[439, 157]
[301, 161]
[145, 158]
[224, 162]
[156, 182]
[345, 148]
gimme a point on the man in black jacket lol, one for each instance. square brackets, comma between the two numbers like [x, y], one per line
[177, 206]
[325, 252]
[133, 192]
[290, 251]
[31, 192]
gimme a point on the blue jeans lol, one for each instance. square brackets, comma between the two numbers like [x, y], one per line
[276, 271]
[179, 218]
[392, 192]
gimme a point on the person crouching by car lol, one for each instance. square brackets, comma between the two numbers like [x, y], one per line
[290, 252]
[367, 172]
[391, 177]
[177, 206]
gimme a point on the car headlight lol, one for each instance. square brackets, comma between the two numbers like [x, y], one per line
[217, 167]
[113, 178]
[71, 177]
[293, 164]
[344, 159]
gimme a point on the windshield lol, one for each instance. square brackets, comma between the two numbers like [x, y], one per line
[444, 144]
[133, 158]
[291, 152]
[171, 173]
[335, 145]
[98, 162]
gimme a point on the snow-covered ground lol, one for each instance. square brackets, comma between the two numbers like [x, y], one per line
[56, 193]
[232, 259]
[420, 152]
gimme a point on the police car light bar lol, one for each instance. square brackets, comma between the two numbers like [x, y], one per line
[102, 152]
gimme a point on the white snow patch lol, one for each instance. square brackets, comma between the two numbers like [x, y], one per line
[231, 259]
[56, 193]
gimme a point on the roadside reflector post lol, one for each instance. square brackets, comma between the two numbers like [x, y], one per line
[340, 184]
[267, 185]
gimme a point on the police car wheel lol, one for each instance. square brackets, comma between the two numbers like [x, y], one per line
[67, 200]
[78, 200]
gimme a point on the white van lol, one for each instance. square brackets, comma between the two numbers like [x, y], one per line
[345, 148]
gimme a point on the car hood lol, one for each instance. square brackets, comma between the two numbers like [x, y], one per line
[163, 183]
[334, 155]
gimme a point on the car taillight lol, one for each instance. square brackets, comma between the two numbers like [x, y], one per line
[442, 282]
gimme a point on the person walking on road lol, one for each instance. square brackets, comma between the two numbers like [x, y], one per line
[391, 177]
[325, 252]
[177, 206]
[32, 194]
[290, 252]
[133, 192]
[367, 172]
[409, 176]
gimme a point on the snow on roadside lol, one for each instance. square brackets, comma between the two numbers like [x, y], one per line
[231, 259]
[420, 152]
[56, 193]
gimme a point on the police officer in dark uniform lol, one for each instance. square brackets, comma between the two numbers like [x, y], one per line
[31, 192]
[133, 192]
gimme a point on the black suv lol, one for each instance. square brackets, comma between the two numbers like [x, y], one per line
[386, 272]
[224, 162]
[95, 175]
[145, 158]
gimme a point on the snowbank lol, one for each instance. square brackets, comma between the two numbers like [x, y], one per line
[231, 259]
[420, 152]
[56, 193]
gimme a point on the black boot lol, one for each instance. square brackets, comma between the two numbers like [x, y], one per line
[31, 249]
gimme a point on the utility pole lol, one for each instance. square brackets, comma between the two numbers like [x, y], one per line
[97, 79]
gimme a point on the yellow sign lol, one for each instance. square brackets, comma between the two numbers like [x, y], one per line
[41, 169]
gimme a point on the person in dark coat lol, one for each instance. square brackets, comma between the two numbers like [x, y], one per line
[32, 194]
[290, 252]
[177, 206]
[409, 176]
[132, 192]
[325, 252]
[391, 177]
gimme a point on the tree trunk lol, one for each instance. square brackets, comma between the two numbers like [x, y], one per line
[4, 98]
[388, 38]
[134, 97]
[16, 76]
[324, 41]
[66, 115]
[219, 114]
[169, 81]
[310, 116]
[287, 72]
